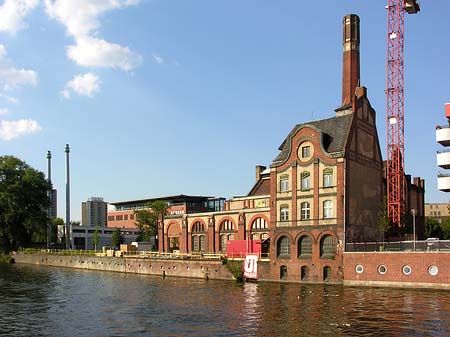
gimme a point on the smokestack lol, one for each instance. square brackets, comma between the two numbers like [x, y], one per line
[350, 43]
[49, 210]
[68, 242]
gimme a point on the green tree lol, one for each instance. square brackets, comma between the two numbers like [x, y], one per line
[23, 204]
[147, 224]
[117, 238]
[95, 238]
[445, 227]
[432, 228]
[159, 208]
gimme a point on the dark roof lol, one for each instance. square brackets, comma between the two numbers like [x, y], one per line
[262, 187]
[180, 197]
[334, 135]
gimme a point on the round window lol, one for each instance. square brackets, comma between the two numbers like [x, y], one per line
[433, 270]
[382, 269]
[359, 269]
[406, 270]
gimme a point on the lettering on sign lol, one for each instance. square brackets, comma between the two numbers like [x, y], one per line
[251, 266]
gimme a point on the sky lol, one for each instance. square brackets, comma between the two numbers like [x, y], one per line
[165, 97]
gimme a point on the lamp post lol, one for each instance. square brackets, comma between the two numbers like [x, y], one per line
[413, 211]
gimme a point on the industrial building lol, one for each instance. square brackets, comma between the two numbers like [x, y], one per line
[325, 188]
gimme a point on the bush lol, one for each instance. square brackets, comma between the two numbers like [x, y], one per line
[235, 268]
[6, 258]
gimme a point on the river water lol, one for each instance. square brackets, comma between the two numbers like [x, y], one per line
[46, 301]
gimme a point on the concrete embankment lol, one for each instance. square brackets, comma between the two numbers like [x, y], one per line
[135, 265]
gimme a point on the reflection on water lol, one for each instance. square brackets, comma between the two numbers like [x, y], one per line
[44, 301]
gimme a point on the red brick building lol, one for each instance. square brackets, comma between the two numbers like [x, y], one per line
[325, 188]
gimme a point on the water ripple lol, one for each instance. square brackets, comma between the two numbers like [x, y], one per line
[45, 301]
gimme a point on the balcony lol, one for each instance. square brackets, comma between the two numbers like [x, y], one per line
[443, 135]
[443, 159]
[444, 182]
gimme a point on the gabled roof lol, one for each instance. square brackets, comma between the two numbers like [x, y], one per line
[334, 131]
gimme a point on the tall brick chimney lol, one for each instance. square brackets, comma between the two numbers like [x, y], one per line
[350, 43]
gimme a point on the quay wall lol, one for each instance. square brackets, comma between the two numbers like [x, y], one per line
[148, 266]
[398, 269]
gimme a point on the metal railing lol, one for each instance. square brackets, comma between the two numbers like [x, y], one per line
[211, 256]
[399, 246]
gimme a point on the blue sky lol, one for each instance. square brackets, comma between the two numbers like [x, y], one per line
[163, 97]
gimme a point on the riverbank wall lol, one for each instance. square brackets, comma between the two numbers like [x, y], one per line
[398, 269]
[134, 265]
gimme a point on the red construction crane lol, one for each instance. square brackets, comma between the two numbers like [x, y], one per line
[396, 187]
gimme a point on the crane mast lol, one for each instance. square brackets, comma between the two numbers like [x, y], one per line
[395, 176]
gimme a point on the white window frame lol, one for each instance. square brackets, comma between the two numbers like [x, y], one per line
[305, 181]
[284, 183]
[328, 178]
[305, 211]
[284, 213]
[328, 209]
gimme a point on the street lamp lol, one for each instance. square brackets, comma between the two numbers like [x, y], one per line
[413, 211]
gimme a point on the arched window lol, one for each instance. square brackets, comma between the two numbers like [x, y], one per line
[284, 183]
[198, 227]
[226, 226]
[305, 247]
[305, 210]
[284, 213]
[198, 237]
[283, 272]
[259, 223]
[284, 247]
[328, 209]
[306, 181]
[328, 180]
[327, 247]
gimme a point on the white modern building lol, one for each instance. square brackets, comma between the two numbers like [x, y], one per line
[83, 236]
[443, 156]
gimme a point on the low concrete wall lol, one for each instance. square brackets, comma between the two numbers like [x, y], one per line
[390, 269]
[177, 268]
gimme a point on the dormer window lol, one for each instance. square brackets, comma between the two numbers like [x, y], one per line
[306, 151]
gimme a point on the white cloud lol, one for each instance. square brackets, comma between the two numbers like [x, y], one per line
[85, 85]
[93, 52]
[9, 99]
[10, 77]
[81, 18]
[13, 129]
[4, 111]
[12, 13]
[158, 59]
